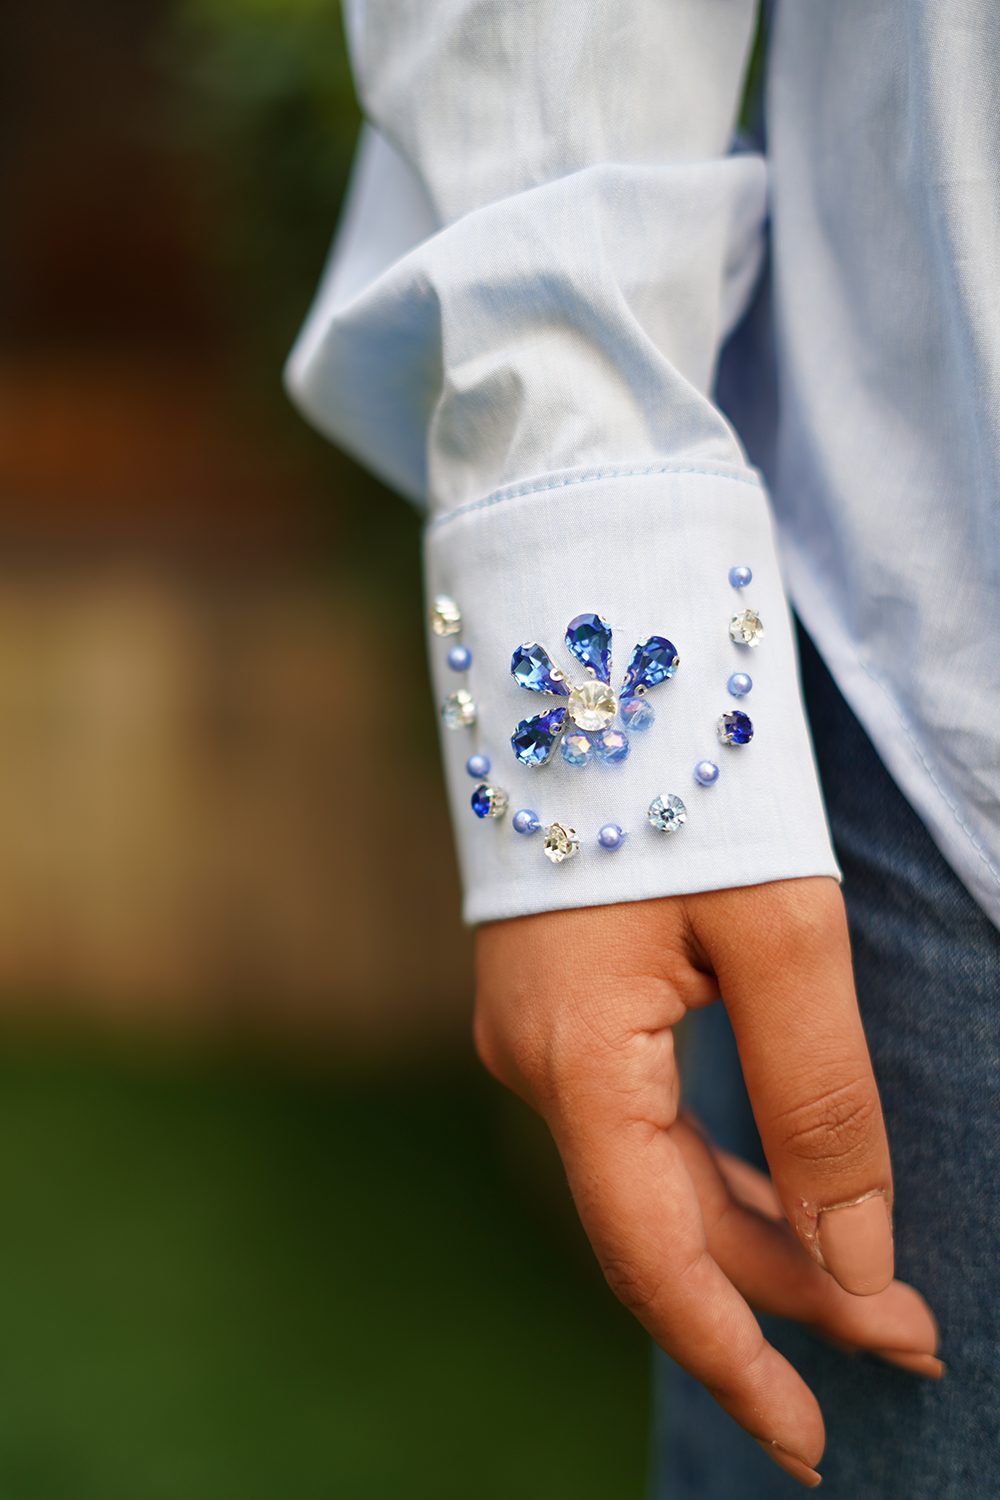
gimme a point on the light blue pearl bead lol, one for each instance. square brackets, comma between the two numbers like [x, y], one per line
[526, 821]
[706, 772]
[460, 658]
[611, 836]
[478, 766]
[739, 684]
[740, 577]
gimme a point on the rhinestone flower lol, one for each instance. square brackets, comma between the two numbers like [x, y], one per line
[590, 705]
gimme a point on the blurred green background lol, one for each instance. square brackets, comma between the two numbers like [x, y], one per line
[265, 1226]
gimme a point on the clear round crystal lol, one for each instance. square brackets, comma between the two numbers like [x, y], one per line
[746, 628]
[445, 616]
[667, 814]
[592, 706]
[560, 843]
[459, 711]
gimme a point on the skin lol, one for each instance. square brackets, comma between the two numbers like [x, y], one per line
[690, 1238]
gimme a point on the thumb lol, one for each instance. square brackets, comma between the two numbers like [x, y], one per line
[781, 953]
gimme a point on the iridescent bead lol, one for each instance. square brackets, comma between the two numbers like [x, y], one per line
[638, 713]
[746, 628]
[740, 577]
[489, 801]
[445, 616]
[459, 711]
[734, 728]
[577, 748]
[534, 739]
[460, 658]
[611, 836]
[478, 766]
[592, 706]
[667, 814]
[560, 843]
[739, 684]
[526, 821]
[706, 772]
[612, 746]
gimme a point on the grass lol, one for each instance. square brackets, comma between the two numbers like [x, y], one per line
[231, 1281]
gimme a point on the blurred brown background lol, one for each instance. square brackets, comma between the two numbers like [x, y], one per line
[220, 807]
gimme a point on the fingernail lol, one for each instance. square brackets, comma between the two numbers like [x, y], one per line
[792, 1464]
[856, 1241]
[917, 1364]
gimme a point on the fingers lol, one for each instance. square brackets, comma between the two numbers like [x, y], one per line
[782, 956]
[764, 1260]
[591, 1048]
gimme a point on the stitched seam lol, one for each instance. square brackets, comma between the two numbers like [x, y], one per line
[499, 496]
[910, 735]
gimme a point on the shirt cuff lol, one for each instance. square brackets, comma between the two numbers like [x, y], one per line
[650, 552]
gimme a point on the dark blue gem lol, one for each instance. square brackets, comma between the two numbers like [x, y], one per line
[735, 729]
[534, 739]
[481, 801]
[532, 667]
[652, 662]
[589, 639]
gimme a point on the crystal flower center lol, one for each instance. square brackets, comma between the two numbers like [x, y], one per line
[592, 706]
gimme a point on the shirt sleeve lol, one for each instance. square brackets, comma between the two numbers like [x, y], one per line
[545, 245]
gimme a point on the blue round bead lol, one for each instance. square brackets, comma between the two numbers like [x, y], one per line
[739, 684]
[460, 658]
[706, 772]
[637, 713]
[577, 748]
[611, 836]
[478, 766]
[526, 821]
[740, 577]
[612, 746]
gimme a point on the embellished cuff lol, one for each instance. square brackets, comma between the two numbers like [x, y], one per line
[663, 748]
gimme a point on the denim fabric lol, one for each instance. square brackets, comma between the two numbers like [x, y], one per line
[927, 964]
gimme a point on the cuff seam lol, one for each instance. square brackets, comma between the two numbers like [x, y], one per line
[507, 493]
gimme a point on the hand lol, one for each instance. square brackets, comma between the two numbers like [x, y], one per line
[574, 1012]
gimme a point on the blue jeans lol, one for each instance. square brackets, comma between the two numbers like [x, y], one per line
[927, 965]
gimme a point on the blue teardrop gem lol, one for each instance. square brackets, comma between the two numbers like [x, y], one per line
[589, 639]
[652, 662]
[532, 667]
[534, 739]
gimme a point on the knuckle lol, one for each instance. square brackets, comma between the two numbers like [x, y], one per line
[833, 1127]
[634, 1288]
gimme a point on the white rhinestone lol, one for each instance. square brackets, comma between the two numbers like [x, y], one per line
[560, 843]
[499, 802]
[746, 628]
[667, 814]
[459, 711]
[445, 616]
[592, 706]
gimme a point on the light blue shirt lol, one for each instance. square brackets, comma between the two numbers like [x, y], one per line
[546, 244]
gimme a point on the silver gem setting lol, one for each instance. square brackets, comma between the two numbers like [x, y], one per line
[561, 843]
[667, 813]
[746, 628]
